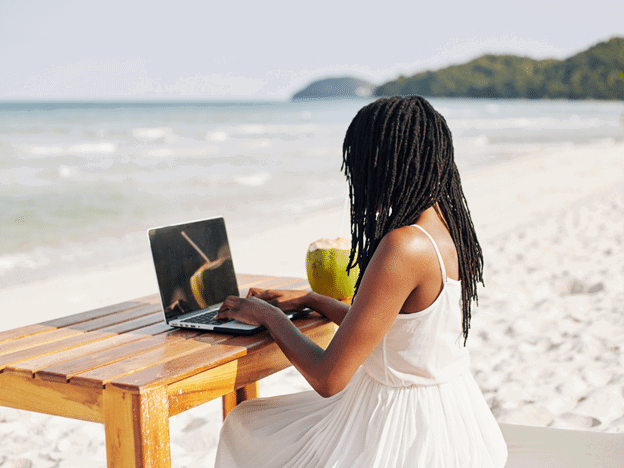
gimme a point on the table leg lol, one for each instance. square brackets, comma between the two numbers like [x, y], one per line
[137, 428]
[238, 396]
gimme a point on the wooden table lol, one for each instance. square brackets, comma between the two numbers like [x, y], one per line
[124, 367]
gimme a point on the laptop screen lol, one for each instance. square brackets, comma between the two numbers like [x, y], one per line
[193, 266]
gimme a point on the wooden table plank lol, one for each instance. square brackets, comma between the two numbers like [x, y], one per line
[32, 366]
[176, 369]
[116, 318]
[47, 332]
[38, 339]
[64, 371]
[162, 327]
[135, 324]
[157, 329]
[31, 360]
[100, 376]
[23, 332]
[97, 313]
[48, 349]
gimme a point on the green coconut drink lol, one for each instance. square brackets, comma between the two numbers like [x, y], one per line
[326, 265]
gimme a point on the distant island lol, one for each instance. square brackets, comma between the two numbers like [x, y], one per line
[345, 87]
[597, 73]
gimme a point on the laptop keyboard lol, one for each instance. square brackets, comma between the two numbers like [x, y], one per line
[207, 318]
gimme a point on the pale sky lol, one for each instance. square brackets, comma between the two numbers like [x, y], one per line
[269, 49]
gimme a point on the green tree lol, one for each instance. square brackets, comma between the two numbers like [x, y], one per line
[597, 73]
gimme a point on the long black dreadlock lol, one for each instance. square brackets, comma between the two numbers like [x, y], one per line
[398, 159]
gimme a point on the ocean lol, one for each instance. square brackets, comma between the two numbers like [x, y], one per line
[80, 183]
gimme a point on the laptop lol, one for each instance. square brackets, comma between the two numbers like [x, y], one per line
[195, 274]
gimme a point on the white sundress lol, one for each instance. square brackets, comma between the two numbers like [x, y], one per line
[413, 403]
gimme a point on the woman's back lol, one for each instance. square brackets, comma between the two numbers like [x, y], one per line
[426, 347]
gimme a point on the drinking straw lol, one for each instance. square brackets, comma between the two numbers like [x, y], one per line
[204, 256]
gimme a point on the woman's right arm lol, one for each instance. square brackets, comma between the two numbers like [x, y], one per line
[331, 308]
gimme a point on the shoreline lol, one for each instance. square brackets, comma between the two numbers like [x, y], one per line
[544, 340]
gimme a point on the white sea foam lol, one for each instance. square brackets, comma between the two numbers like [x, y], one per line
[217, 136]
[158, 152]
[253, 180]
[29, 260]
[93, 148]
[22, 176]
[200, 151]
[67, 172]
[295, 129]
[41, 151]
[44, 151]
[261, 143]
[530, 123]
[175, 152]
[151, 134]
[318, 151]
[252, 129]
[493, 108]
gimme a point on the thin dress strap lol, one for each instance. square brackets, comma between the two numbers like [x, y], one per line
[435, 246]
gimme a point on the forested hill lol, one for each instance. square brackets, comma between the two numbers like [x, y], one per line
[343, 87]
[597, 73]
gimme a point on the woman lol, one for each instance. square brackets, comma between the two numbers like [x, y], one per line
[395, 377]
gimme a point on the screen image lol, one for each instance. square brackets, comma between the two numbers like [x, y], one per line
[193, 265]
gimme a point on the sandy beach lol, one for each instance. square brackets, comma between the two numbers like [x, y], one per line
[545, 340]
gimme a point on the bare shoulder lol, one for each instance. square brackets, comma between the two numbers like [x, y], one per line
[408, 242]
[408, 250]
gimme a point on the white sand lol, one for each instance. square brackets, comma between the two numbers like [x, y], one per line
[545, 340]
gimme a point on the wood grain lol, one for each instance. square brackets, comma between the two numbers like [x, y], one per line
[137, 429]
[64, 371]
[161, 354]
[100, 312]
[22, 332]
[36, 340]
[50, 398]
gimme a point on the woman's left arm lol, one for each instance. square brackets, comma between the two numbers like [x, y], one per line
[390, 277]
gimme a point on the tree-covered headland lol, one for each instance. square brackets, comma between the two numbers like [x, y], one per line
[597, 73]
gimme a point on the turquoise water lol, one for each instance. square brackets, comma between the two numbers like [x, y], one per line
[81, 182]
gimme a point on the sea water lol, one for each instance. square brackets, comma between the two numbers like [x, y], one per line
[81, 182]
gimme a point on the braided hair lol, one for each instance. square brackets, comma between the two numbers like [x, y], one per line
[398, 160]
